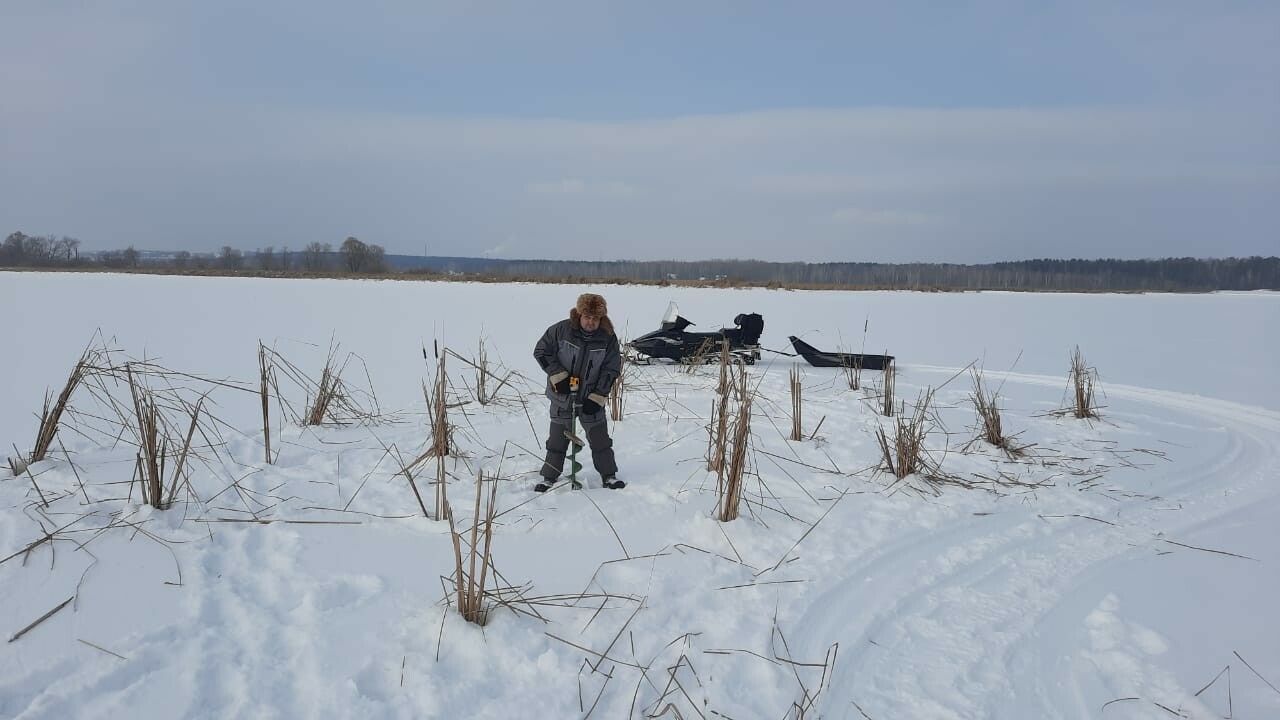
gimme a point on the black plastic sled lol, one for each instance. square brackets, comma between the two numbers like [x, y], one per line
[818, 358]
[674, 342]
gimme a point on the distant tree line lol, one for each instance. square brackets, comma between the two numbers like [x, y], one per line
[353, 256]
[356, 257]
[39, 250]
[1163, 275]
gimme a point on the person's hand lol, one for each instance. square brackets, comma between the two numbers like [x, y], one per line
[560, 382]
[593, 404]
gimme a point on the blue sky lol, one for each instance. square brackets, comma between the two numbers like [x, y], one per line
[956, 132]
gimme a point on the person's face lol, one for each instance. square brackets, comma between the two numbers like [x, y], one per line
[589, 322]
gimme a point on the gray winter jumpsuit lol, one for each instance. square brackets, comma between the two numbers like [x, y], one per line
[596, 360]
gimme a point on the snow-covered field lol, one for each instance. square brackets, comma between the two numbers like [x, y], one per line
[1114, 572]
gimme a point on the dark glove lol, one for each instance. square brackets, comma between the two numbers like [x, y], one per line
[593, 404]
[560, 382]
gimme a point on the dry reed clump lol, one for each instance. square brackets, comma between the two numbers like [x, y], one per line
[729, 485]
[485, 392]
[441, 505]
[904, 453]
[807, 703]
[469, 587]
[724, 384]
[51, 414]
[990, 423]
[326, 391]
[717, 435]
[684, 695]
[413, 484]
[154, 423]
[328, 400]
[266, 379]
[441, 437]
[797, 405]
[1083, 379]
[890, 378]
[617, 393]
[717, 428]
[154, 444]
[852, 370]
[441, 432]
[701, 356]
[442, 490]
[482, 375]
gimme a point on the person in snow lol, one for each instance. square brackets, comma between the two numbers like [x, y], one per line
[581, 358]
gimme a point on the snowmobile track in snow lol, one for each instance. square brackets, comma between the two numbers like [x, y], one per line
[945, 622]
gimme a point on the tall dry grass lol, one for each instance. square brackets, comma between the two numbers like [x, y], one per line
[718, 435]
[718, 426]
[264, 384]
[51, 414]
[724, 384]
[154, 445]
[617, 393]
[701, 356]
[797, 405]
[903, 453]
[990, 423]
[326, 391]
[852, 371]
[853, 368]
[441, 432]
[890, 380]
[487, 383]
[472, 568]
[482, 375]
[1083, 378]
[329, 400]
[729, 480]
[442, 490]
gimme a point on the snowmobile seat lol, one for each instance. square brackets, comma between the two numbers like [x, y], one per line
[750, 327]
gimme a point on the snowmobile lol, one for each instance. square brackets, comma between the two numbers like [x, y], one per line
[672, 341]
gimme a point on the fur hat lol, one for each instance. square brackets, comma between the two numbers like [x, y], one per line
[593, 305]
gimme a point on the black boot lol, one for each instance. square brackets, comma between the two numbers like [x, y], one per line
[612, 482]
[543, 485]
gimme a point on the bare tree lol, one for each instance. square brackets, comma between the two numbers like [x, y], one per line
[376, 262]
[230, 258]
[355, 254]
[315, 256]
[38, 250]
[68, 248]
[12, 252]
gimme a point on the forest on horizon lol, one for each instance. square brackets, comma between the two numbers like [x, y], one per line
[356, 258]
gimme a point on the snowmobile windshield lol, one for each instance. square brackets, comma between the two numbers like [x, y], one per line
[672, 313]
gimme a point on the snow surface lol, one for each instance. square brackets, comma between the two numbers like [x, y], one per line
[1114, 573]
